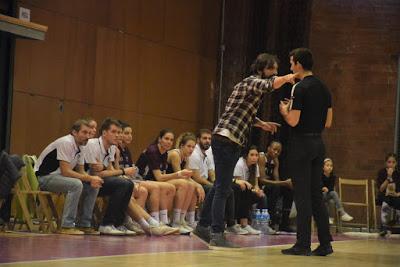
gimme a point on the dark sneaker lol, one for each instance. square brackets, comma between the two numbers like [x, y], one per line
[203, 233]
[322, 250]
[297, 251]
[219, 242]
[287, 229]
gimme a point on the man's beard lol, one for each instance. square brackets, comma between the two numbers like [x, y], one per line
[265, 76]
[84, 142]
[204, 147]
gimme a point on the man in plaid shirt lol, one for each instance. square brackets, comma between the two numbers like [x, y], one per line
[229, 137]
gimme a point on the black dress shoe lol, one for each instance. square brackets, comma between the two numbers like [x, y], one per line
[322, 251]
[297, 251]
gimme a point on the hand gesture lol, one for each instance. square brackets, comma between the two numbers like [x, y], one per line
[284, 106]
[270, 126]
[325, 189]
[291, 78]
[390, 172]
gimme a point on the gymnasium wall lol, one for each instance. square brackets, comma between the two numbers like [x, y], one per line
[356, 45]
[151, 63]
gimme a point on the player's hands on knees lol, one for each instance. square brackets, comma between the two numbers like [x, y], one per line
[96, 181]
[200, 193]
[185, 173]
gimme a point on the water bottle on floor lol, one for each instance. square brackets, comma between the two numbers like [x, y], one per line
[265, 221]
[256, 223]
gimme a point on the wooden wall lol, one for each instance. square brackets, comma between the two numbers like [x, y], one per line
[151, 63]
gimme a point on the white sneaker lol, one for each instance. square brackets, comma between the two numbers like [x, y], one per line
[125, 230]
[236, 229]
[109, 230]
[182, 230]
[163, 230]
[346, 217]
[268, 230]
[185, 224]
[331, 221]
[135, 227]
[251, 230]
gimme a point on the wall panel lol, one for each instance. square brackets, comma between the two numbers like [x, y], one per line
[114, 59]
[183, 24]
[80, 63]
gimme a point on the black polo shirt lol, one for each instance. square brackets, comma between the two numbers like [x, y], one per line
[313, 99]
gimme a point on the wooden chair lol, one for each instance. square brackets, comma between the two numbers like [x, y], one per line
[365, 205]
[99, 210]
[34, 203]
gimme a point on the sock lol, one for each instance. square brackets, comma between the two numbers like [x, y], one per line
[177, 216]
[164, 216]
[144, 223]
[183, 215]
[155, 215]
[190, 217]
[153, 222]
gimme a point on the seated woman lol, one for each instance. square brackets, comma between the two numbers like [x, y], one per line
[275, 188]
[157, 195]
[177, 161]
[153, 164]
[328, 190]
[388, 183]
[245, 187]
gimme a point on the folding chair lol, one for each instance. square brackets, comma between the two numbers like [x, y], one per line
[33, 202]
[365, 205]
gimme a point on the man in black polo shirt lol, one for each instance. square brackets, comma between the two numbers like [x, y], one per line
[308, 113]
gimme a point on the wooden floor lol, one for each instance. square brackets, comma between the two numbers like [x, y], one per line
[365, 253]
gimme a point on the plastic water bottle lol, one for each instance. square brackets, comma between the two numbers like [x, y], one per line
[267, 216]
[257, 220]
[265, 221]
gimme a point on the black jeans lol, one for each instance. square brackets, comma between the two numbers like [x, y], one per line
[393, 202]
[120, 191]
[229, 208]
[244, 199]
[274, 193]
[306, 156]
[226, 154]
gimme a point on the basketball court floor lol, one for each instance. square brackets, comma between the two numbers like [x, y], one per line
[25, 249]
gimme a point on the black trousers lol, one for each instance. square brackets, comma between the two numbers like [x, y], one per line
[244, 201]
[229, 206]
[393, 202]
[306, 156]
[120, 191]
[279, 215]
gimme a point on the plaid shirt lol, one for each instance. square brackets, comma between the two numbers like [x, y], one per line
[242, 107]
